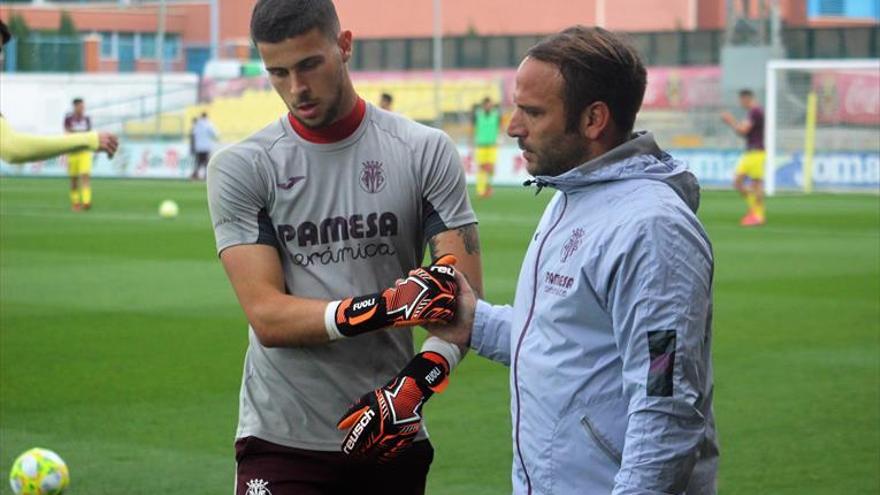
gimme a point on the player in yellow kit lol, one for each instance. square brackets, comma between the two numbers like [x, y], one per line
[749, 174]
[487, 122]
[79, 164]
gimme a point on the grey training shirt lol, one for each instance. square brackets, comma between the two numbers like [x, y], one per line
[348, 218]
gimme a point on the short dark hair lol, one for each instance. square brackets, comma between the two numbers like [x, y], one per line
[387, 97]
[274, 21]
[77, 101]
[746, 92]
[597, 65]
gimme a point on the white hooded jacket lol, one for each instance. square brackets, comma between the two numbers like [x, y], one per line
[609, 336]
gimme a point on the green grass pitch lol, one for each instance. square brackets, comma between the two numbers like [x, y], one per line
[121, 343]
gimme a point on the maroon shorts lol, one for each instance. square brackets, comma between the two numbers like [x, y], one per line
[266, 468]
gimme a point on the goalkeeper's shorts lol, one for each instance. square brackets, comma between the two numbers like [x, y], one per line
[79, 163]
[751, 164]
[265, 467]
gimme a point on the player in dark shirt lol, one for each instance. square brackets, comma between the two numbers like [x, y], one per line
[749, 176]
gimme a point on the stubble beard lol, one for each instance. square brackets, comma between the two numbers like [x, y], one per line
[333, 105]
[559, 155]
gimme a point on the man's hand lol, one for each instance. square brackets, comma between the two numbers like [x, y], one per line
[728, 118]
[384, 422]
[458, 331]
[427, 295]
[108, 142]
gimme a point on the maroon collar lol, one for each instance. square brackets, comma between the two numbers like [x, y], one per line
[334, 132]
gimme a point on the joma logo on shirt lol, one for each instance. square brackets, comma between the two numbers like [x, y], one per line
[335, 229]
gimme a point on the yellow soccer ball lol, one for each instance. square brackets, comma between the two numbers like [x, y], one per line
[168, 209]
[39, 472]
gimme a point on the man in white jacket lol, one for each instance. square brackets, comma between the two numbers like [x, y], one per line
[609, 336]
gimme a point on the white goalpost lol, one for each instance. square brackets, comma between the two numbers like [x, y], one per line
[822, 124]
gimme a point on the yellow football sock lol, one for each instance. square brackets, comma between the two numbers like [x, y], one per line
[760, 209]
[87, 195]
[482, 182]
[751, 201]
[74, 197]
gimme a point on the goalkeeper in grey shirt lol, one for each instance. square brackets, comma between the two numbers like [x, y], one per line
[336, 199]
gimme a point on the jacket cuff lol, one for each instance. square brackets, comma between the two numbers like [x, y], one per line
[481, 317]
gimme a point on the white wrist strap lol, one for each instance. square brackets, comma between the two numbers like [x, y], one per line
[448, 350]
[330, 321]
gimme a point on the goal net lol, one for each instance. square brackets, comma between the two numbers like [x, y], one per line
[822, 125]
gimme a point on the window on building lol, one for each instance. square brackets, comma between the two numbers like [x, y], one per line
[521, 45]
[644, 44]
[831, 7]
[472, 52]
[147, 45]
[108, 44]
[371, 54]
[857, 42]
[701, 47]
[499, 52]
[125, 49]
[172, 47]
[450, 52]
[421, 53]
[828, 43]
[395, 54]
[797, 42]
[666, 49]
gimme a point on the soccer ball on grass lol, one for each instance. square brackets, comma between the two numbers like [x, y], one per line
[39, 472]
[168, 209]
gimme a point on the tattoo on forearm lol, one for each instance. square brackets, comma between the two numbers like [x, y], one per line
[432, 246]
[470, 237]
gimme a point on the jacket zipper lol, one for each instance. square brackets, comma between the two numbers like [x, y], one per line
[598, 441]
[523, 334]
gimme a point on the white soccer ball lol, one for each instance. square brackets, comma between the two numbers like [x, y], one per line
[39, 472]
[168, 209]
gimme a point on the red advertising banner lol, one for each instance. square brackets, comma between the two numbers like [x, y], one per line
[848, 97]
[682, 88]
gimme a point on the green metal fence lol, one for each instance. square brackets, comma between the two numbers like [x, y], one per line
[669, 48]
[51, 53]
[44, 53]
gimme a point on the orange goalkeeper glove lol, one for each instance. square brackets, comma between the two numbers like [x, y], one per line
[383, 423]
[427, 295]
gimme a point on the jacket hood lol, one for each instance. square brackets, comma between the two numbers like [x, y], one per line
[638, 158]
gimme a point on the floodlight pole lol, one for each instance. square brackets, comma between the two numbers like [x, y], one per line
[770, 130]
[160, 64]
[438, 63]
